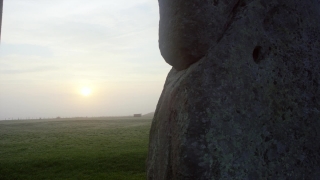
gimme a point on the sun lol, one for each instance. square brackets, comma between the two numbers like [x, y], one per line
[85, 91]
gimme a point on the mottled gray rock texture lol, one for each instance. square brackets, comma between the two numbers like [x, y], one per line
[242, 100]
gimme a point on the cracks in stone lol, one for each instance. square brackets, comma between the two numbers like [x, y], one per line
[170, 173]
[232, 13]
[256, 54]
[215, 2]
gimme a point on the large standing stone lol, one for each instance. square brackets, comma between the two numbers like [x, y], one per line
[242, 100]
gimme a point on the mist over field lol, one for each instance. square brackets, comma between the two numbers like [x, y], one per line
[77, 148]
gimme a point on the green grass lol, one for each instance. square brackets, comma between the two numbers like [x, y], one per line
[83, 148]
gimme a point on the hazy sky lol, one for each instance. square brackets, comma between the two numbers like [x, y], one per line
[50, 50]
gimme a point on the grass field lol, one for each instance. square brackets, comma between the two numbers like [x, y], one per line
[83, 148]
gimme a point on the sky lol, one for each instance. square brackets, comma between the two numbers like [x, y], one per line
[80, 58]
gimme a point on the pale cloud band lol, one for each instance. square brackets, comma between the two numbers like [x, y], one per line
[101, 42]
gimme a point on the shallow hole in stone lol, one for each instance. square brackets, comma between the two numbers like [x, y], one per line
[256, 54]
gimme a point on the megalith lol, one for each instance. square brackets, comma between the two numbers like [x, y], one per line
[242, 99]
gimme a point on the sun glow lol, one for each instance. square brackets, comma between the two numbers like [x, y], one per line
[85, 91]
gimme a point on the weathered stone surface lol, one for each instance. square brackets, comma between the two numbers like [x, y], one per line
[188, 28]
[246, 105]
